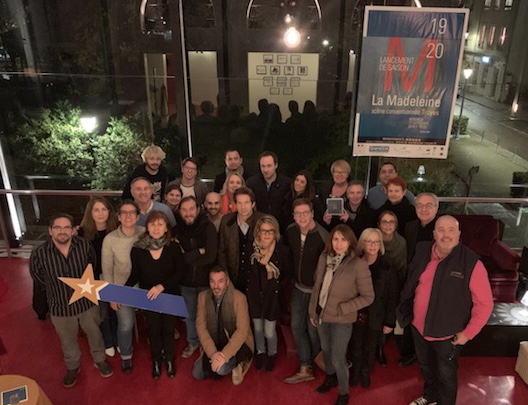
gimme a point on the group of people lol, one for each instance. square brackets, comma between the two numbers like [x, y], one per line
[263, 245]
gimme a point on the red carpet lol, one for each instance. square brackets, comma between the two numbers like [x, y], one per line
[33, 350]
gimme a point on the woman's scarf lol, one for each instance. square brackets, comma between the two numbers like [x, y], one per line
[263, 256]
[332, 262]
[147, 242]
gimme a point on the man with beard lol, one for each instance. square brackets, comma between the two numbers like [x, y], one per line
[199, 241]
[65, 255]
[447, 300]
[224, 330]
[152, 170]
[213, 205]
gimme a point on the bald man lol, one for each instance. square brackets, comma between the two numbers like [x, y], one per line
[213, 205]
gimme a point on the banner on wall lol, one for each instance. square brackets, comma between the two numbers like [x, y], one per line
[410, 63]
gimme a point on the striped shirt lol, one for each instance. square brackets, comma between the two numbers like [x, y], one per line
[47, 263]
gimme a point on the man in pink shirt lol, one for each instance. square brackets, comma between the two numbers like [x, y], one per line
[447, 299]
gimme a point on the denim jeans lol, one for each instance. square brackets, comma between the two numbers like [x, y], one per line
[198, 369]
[108, 326]
[439, 365]
[334, 343]
[190, 295]
[264, 328]
[126, 317]
[304, 333]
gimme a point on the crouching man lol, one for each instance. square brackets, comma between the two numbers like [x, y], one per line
[222, 323]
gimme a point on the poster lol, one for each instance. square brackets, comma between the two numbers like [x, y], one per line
[410, 63]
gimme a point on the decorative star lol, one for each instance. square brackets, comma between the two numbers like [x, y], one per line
[86, 286]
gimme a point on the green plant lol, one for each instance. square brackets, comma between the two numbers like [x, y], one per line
[464, 122]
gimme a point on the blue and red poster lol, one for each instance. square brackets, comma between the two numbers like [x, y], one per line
[408, 78]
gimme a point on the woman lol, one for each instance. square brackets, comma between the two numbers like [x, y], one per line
[380, 317]
[302, 187]
[116, 265]
[398, 203]
[233, 182]
[157, 265]
[173, 196]
[395, 245]
[99, 219]
[342, 287]
[270, 265]
[337, 187]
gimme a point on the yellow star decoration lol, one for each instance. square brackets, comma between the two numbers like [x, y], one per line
[86, 286]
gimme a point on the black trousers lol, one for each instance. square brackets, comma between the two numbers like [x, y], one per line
[161, 335]
[362, 348]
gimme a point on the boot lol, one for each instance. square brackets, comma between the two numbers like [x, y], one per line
[156, 369]
[382, 360]
[353, 378]
[342, 399]
[329, 382]
[365, 379]
[305, 374]
[270, 365]
[171, 368]
[259, 361]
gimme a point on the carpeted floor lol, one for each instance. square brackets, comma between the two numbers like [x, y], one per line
[33, 350]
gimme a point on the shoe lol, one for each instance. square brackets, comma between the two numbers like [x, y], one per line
[382, 360]
[70, 379]
[353, 378]
[259, 361]
[110, 351]
[189, 351]
[176, 334]
[171, 368]
[156, 370]
[126, 366]
[422, 401]
[342, 399]
[407, 361]
[239, 372]
[104, 369]
[365, 380]
[329, 382]
[305, 373]
[270, 365]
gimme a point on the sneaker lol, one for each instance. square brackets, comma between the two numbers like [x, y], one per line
[126, 366]
[104, 369]
[238, 373]
[110, 351]
[189, 351]
[305, 374]
[70, 379]
[422, 401]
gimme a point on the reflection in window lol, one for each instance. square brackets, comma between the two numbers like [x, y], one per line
[274, 14]
[491, 36]
[487, 4]
[508, 4]
[481, 36]
[154, 15]
[496, 5]
[502, 38]
[199, 13]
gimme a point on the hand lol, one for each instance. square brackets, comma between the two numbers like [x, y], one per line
[459, 339]
[155, 291]
[217, 361]
[313, 321]
[202, 251]
[115, 306]
[327, 218]
[387, 330]
[344, 216]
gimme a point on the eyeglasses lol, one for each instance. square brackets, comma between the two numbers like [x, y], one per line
[132, 212]
[302, 214]
[267, 231]
[62, 228]
[192, 169]
[427, 206]
[339, 172]
[388, 222]
[372, 242]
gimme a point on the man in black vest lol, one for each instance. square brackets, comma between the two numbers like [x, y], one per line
[447, 300]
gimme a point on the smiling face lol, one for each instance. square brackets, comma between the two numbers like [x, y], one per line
[299, 184]
[127, 215]
[100, 214]
[395, 193]
[157, 228]
[218, 282]
[234, 183]
[152, 163]
[141, 190]
[268, 168]
[355, 194]
[446, 234]
[339, 243]
[233, 160]
[371, 245]
[303, 216]
[189, 211]
[212, 204]
[189, 171]
[173, 197]
[244, 206]
[387, 172]
[339, 175]
[266, 234]
[61, 231]
[426, 209]
[388, 224]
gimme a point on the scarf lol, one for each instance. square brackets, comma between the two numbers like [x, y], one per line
[263, 257]
[332, 262]
[223, 321]
[147, 242]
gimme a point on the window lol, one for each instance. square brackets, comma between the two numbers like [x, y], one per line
[502, 37]
[487, 4]
[491, 36]
[508, 4]
[496, 4]
[481, 36]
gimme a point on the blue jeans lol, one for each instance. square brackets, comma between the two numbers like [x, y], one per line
[190, 295]
[439, 365]
[334, 343]
[304, 333]
[198, 369]
[107, 326]
[264, 328]
[126, 317]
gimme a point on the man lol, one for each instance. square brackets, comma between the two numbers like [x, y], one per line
[377, 195]
[199, 241]
[213, 205]
[306, 240]
[270, 187]
[152, 170]
[236, 238]
[224, 330]
[447, 300]
[233, 161]
[141, 191]
[418, 230]
[65, 255]
[189, 182]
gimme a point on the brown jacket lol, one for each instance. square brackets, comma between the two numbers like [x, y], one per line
[242, 334]
[351, 289]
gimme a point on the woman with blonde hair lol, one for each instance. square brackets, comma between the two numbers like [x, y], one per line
[233, 182]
